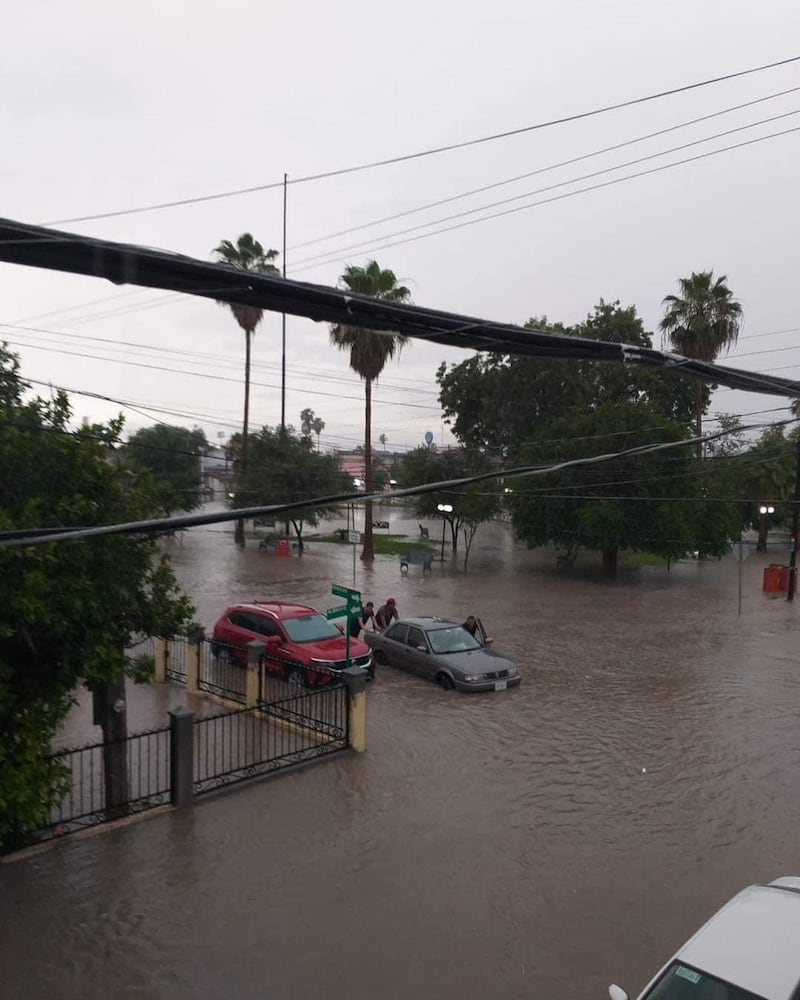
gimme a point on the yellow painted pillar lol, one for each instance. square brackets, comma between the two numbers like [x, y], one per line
[356, 680]
[160, 653]
[193, 668]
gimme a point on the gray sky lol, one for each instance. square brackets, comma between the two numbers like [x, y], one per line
[111, 106]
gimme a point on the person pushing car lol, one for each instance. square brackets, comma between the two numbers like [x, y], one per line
[386, 614]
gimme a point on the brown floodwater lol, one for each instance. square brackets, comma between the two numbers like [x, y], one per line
[536, 843]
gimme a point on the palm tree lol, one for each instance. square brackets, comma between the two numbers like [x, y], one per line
[369, 352]
[702, 322]
[383, 439]
[246, 254]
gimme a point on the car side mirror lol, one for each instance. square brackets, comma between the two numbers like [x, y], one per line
[488, 640]
[273, 640]
[422, 649]
[617, 993]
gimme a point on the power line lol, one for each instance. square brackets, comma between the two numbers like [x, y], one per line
[206, 375]
[154, 525]
[542, 170]
[403, 158]
[213, 359]
[336, 255]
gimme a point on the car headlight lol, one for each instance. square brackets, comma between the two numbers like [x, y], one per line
[512, 671]
[473, 677]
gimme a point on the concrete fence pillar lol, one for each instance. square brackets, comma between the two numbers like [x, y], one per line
[255, 658]
[181, 756]
[356, 680]
[193, 668]
[160, 655]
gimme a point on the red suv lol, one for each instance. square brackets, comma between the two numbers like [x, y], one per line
[296, 637]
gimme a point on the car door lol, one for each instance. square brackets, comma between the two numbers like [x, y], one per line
[417, 652]
[393, 644]
[266, 628]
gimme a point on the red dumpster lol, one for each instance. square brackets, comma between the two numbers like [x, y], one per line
[282, 548]
[776, 579]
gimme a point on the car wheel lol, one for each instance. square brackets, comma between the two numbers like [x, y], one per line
[296, 678]
[445, 682]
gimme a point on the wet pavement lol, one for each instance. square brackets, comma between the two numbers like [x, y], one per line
[535, 843]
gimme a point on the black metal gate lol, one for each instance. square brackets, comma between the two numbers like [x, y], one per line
[293, 722]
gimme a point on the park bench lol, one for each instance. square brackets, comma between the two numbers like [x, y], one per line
[419, 557]
[380, 524]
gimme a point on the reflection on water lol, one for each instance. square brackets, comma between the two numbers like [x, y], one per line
[537, 843]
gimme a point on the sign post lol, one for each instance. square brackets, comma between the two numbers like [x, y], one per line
[354, 538]
[347, 611]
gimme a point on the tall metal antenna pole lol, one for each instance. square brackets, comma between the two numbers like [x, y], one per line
[283, 317]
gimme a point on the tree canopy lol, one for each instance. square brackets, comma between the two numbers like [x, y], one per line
[470, 505]
[172, 455]
[533, 411]
[67, 611]
[284, 468]
[495, 401]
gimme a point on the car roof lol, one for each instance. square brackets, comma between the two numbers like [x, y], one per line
[279, 609]
[428, 622]
[753, 941]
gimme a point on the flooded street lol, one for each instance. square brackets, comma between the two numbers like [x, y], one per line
[536, 843]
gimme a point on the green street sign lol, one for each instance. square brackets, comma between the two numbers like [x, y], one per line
[353, 596]
[339, 612]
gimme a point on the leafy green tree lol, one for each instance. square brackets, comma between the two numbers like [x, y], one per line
[67, 610]
[172, 455]
[702, 322]
[471, 505]
[765, 475]
[246, 254]
[369, 352]
[494, 401]
[636, 502]
[284, 468]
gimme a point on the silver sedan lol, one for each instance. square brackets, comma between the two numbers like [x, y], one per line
[444, 652]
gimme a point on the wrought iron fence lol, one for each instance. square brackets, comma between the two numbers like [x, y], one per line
[110, 780]
[176, 650]
[141, 646]
[223, 670]
[251, 742]
[310, 697]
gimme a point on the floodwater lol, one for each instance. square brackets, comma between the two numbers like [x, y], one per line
[536, 843]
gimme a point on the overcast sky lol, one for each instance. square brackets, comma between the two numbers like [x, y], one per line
[113, 106]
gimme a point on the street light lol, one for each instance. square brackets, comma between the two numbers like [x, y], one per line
[766, 510]
[444, 508]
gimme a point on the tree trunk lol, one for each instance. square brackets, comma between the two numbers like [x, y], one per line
[368, 552]
[469, 537]
[115, 749]
[239, 534]
[298, 530]
[454, 526]
[761, 545]
[698, 418]
[610, 562]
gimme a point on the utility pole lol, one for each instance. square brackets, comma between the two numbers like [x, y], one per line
[283, 317]
[795, 525]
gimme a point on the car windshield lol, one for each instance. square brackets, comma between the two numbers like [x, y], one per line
[683, 982]
[455, 639]
[310, 628]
